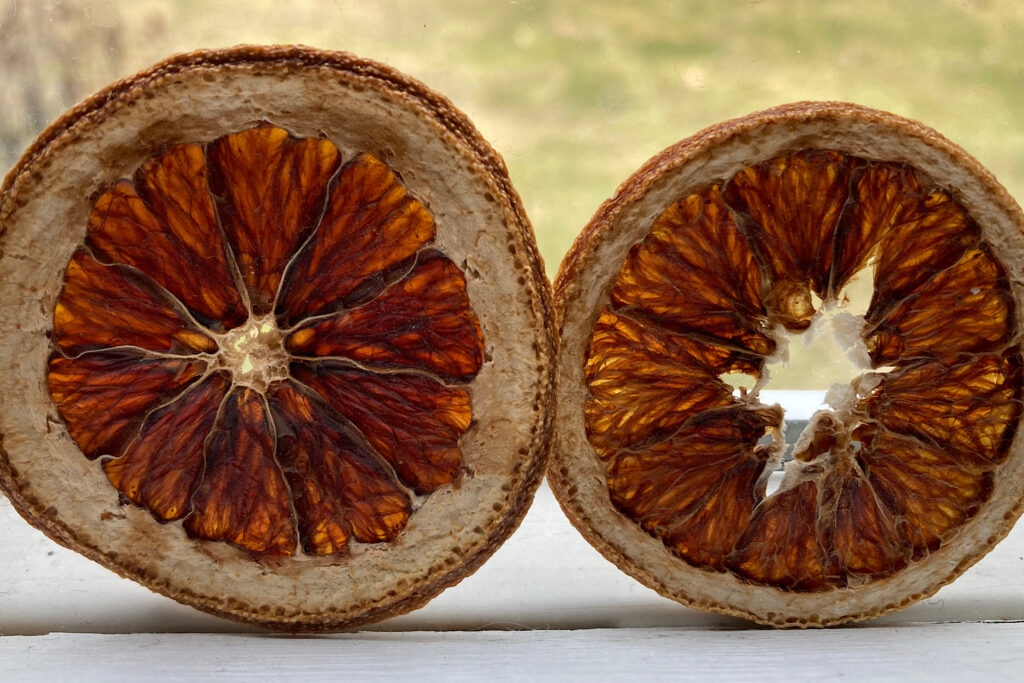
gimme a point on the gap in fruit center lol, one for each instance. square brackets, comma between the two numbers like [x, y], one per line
[814, 370]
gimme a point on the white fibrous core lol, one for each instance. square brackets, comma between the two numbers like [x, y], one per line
[254, 353]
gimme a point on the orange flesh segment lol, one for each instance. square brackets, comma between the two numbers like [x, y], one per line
[915, 460]
[243, 498]
[269, 189]
[161, 466]
[339, 490]
[912, 231]
[789, 207]
[422, 322]
[782, 545]
[104, 397]
[645, 384]
[200, 243]
[371, 225]
[929, 492]
[164, 224]
[966, 308]
[107, 306]
[967, 404]
[715, 454]
[413, 421]
[864, 541]
[695, 273]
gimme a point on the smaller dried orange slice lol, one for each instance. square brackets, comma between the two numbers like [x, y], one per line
[284, 341]
[703, 266]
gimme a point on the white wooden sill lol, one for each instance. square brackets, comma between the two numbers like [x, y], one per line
[546, 605]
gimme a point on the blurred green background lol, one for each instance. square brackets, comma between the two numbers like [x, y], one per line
[575, 95]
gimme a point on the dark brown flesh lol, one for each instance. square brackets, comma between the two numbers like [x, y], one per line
[257, 338]
[720, 274]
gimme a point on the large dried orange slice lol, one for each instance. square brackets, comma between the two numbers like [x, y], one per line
[702, 268]
[279, 342]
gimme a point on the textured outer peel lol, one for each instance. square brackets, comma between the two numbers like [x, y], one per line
[361, 106]
[582, 291]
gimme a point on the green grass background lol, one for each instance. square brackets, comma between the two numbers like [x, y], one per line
[575, 95]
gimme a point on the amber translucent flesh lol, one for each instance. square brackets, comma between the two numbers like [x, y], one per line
[164, 224]
[422, 321]
[715, 453]
[263, 232]
[790, 206]
[370, 225]
[705, 292]
[163, 463]
[242, 497]
[412, 420]
[789, 209]
[102, 307]
[695, 273]
[121, 386]
[968, 307]
[644, 384]
[269, 189]
[339, 488]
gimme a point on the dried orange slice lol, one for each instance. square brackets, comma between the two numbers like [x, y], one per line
[279, 342]
[703, 266]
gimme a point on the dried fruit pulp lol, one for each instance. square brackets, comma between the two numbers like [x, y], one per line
[300, 378]
[880, 484]
[887, 479]
[258, 295]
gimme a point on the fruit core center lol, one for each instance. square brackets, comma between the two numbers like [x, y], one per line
[817, 374]
[825, 358]
[254, 353]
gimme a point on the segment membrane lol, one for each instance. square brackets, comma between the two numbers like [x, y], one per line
[269, 188]
[164, 224]
[339, 489]
[370, 225]
[423, 322]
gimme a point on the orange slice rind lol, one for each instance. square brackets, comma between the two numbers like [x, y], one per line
[702, 264]
[284, 342]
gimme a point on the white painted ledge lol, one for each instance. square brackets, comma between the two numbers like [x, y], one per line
[928, 652]
[547, 606]
[545, 577]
